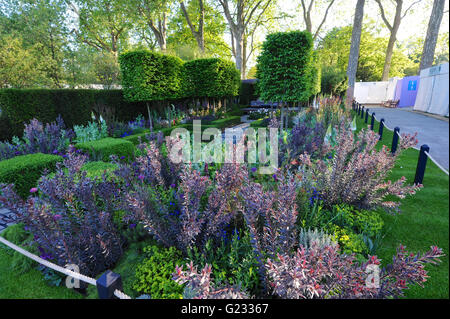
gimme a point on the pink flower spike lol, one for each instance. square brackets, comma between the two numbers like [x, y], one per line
[33, 190]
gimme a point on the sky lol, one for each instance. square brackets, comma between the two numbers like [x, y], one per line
[341, 14]
[413, 25]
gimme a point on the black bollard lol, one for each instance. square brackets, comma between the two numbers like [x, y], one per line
[421, 164]
[380, 130]
[395, 140]
[107, 284]
[372, 121]
[367, 116]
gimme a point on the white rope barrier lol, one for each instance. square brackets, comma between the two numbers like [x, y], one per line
[416, 148]
[434, 161]
[60, 269]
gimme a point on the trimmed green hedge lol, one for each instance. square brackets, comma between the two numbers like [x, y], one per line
[24, 171]
[19, 106]
[150, 76]
[212, 78]
[284, 67]
[102, 149]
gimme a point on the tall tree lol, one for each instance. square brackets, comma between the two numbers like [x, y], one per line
[307, 10]
[154, 14]
[432, 34]
[187, 42]
[102, 23]
[198, 32]
[393, 29]
[40, 25]
[243, 17]
[354, 51]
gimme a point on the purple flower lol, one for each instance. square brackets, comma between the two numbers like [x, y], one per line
[172, 185]
[57, 217]
[132, 226]
[254, 169]
[33, 190]
[274, 176]
[141, 177]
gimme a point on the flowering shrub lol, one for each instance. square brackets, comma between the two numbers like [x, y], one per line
[357, 172]
[71, 220]
[322, 272]
[51, 138]
[199, 285]
[305, 137]
[185, 217]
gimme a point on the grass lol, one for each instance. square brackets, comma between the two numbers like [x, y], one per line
[27, 285]
[423, 221]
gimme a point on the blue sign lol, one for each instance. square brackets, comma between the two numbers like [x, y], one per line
[412, 85]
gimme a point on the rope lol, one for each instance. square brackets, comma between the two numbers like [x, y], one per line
[434, 161]
[60, 269]
[119, 294]
[417, 148]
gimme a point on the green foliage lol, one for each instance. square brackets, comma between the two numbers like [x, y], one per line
[183, 43]
[315, 74]
[104, 148]
[75, 107]
[333, 81]
[24, 171]
[284, 67]
[334, 50]
[233, 262]
[91, 132]
[154, 274]
[19, 236]
[213, 78]
[17, 64]
[150, 76]
[96, 169]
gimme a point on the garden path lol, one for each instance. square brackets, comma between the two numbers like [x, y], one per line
[432, 131]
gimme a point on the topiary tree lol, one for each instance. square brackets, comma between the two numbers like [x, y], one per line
[210, 79]
[284, 68]
[150, 76]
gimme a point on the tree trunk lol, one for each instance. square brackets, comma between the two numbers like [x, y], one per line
[239, 46]
[354, 50]
[392, 39]
[198, 34]
[432, 34]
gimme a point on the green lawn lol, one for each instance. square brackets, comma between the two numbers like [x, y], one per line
[423, 220]
[28, 285]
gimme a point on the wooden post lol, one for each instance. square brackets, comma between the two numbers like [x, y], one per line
[421, 164]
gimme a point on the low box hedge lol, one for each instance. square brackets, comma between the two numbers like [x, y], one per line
[24, 171]
[102, 149]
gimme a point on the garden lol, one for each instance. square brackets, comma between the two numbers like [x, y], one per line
[91, 183]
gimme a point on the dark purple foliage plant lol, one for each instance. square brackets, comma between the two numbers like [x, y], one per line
[51, 138]
[323, 272]
[71, 219]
